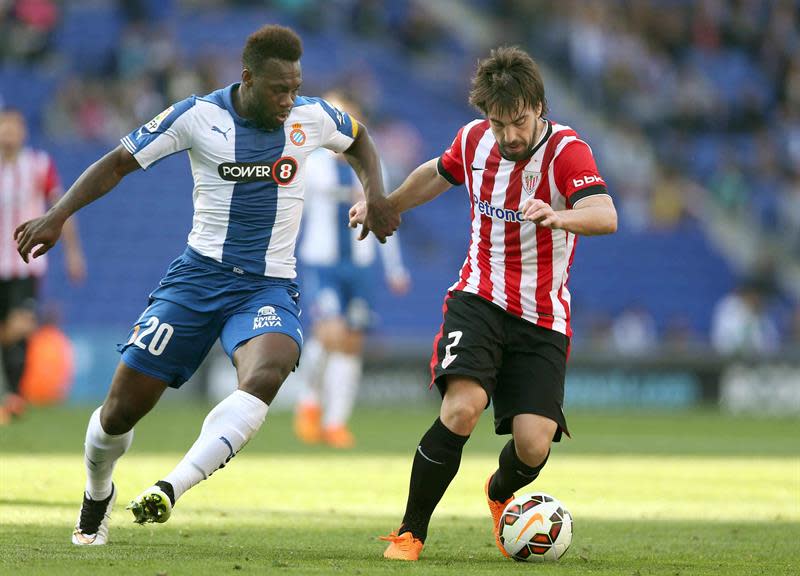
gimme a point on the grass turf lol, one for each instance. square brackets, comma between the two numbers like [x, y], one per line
[652, 493]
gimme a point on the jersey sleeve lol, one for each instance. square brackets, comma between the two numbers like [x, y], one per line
[576, 173]
[166, 134]
[51, 183]
[339, 129]
[451, 163]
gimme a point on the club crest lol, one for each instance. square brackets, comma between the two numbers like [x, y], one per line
[530, 181]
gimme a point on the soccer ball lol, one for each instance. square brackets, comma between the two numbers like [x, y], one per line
[535, 527]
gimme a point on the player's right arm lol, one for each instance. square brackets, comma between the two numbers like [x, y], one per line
[423, 185]
[169, 132]
[97, 180]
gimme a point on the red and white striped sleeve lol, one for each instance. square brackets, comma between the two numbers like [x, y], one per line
[451, 163]
[576, 173]
[51, 183]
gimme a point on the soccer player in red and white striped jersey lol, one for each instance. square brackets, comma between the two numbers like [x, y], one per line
[533, 187]
[29, 184]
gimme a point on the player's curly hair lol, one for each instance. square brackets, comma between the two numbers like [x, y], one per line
[506, 82]
[271, 41]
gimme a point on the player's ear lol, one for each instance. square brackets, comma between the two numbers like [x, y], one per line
[247, 77]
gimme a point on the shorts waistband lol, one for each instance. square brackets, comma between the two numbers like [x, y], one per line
[195, 256]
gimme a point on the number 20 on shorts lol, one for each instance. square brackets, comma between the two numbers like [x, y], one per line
[161, 333]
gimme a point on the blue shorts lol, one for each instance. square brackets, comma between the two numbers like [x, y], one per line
[198, 301]
[339, 292]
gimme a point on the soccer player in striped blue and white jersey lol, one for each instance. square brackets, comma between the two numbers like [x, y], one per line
[338, 286]
[248, 144]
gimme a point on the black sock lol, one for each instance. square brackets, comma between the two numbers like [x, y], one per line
[512, 473]
[14, 363]
[436, 462]
[167, 489]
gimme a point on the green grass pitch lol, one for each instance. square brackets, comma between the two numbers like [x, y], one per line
[652, 493]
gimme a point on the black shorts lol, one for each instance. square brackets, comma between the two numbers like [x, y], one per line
[17, 293]
[520, 365]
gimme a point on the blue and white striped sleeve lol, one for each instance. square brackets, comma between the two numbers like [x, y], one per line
[339, 129]
[166, 134]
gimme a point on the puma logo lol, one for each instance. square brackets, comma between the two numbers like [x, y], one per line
[225, 134]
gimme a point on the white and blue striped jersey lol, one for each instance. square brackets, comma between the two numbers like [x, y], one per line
[248, 182]
[327, 240]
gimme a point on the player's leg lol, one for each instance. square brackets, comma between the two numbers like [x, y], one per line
[262, 364]
[265, 344]
[343, 372]
[436, 462]
[167, 343]
[18, 321]
[528, 404]
[340, 384]
[108, 436]
[523, 457]
[321, 288]
[308, 411]
[466, 353]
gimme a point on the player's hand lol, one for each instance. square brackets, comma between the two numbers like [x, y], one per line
[541, 213]
[381, 219]
[40, 233]
[358, 212]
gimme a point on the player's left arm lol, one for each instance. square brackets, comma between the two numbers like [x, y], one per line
[591, 216]
[362, 155]
[590, 209]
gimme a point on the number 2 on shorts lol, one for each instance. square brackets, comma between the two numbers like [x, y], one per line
[455, 336]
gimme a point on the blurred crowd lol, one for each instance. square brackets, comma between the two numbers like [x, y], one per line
[26, 29]
[710, 88]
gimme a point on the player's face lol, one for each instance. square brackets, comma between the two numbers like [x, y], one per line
[12, 132]
[272, 91]
[515, 132]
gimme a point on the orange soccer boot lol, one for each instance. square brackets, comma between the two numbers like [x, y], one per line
[403, 547]
[338, 437]
[496, 508]
[308, 423]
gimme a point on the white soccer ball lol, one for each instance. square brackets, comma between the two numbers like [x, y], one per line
[535, 527]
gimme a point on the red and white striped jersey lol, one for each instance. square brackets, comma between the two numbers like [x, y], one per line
[28, 185]
[517, 265]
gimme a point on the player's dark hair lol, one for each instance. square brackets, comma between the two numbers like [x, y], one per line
[271, 41]
[506, 82]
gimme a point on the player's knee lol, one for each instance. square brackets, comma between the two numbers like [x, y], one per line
[117, 417]
[461, 416]
[532, 450]
[264, 381]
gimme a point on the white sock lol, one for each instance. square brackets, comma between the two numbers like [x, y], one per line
[342, 376]
[226, 430]
[312, 370]
[102, 451]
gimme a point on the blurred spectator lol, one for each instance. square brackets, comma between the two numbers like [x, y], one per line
[741, 324]
[26, 29]
[598, 337]
[789, 210]
[23, 198]
[680, 336]
[728, 187]
[634, 331]
[670, 203]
